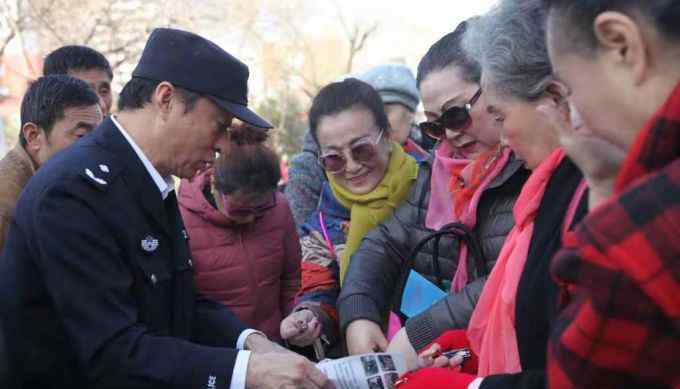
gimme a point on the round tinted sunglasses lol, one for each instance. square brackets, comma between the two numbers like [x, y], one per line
[362, 152]
[243, 212]
[454, 118]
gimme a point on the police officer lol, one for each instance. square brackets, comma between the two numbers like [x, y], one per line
[96, 276]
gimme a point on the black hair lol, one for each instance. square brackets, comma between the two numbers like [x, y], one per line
[49, 96]
[138, 91]
[74, 57]
[245, 134]
[579, 17]
[449, 51]
[341, 96]
[250, 168]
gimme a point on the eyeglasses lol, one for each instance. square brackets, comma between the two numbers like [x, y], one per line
[244, 212]
[362, 152]
[454, 118]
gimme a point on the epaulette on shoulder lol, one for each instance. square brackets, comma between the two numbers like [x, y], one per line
[99, 175]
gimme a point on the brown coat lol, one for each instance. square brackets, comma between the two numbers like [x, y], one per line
[16, 168]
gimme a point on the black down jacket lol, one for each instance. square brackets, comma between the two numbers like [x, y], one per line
[373, 284]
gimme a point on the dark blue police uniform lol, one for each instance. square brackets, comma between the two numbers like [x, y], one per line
[96, 280]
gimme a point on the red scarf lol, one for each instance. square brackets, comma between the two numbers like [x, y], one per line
[620, 273]
[466, 179]
[492, 327]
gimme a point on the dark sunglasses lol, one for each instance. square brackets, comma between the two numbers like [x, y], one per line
[362, 152]
[454, 118]
[243, 212]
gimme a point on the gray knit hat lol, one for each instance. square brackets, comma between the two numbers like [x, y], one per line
[395, 83]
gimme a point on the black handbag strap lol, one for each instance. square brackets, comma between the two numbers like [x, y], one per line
[457, 231]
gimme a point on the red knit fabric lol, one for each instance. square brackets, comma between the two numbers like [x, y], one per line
[455, 339]
[435, 377]
[620, 274]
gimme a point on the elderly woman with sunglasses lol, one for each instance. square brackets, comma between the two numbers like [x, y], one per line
[462, 199]
[368, 177]
[508, 331]
[243, 239]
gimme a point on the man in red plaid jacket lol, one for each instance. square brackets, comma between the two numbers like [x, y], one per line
[620, 269]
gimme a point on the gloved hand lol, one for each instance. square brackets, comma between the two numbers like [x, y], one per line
[435, 377]
[431, 356]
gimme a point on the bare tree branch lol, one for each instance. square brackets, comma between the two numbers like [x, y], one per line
[6, 42]
[40, 14]
[341, 18]
[14, 23]
[93, 31]
[357, 41]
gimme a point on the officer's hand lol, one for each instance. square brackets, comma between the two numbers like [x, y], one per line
[275, 370]
[301, 328]
[364, 336]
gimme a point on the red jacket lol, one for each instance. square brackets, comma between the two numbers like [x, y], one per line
[254, 269]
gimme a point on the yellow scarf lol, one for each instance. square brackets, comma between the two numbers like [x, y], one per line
[369, 209]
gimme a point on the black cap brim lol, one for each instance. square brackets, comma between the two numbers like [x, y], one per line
[242, 113]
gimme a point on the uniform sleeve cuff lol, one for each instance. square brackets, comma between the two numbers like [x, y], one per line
[238, 377]
[241, 342]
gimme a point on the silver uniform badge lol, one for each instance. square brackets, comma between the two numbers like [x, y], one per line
[149, 244]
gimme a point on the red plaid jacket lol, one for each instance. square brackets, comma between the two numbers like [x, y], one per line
[620, 273]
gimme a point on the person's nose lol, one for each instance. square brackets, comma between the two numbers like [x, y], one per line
[352, 165]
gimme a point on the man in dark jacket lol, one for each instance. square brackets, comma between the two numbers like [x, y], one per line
[97, 276]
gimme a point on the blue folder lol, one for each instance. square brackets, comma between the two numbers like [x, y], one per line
[419, 294]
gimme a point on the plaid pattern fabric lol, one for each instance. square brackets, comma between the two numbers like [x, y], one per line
[620, 274]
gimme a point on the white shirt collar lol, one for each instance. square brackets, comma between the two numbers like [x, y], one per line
[165, 185]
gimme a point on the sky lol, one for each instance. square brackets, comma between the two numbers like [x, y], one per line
[408, 28]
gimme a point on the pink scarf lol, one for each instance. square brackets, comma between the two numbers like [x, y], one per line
[492, 327]
[440, 211]
[440, 208]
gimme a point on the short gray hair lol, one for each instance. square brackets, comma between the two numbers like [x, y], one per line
[510, 42]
